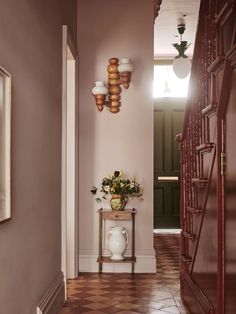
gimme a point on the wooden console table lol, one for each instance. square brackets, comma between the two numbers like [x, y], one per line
[105, 214]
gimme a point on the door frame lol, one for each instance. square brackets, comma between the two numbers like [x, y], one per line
[68, 42]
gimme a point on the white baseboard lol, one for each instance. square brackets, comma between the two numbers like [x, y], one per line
[53, 298]
[144, 264]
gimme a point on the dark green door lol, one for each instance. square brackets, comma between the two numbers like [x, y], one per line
[168, 122]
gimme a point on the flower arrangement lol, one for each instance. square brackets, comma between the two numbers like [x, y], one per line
[118, 184]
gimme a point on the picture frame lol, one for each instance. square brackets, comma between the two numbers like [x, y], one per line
[5, 145]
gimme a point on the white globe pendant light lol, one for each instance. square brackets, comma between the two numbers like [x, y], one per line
[181, 64]
[181, 67]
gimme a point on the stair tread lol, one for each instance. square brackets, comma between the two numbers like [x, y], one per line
[210, 109]
[205, 147]
[194, 210]
[188, 235]
[186, 259]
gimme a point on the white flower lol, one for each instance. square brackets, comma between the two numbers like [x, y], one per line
[106, 188]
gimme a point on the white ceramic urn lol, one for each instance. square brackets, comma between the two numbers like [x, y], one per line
[117, 242]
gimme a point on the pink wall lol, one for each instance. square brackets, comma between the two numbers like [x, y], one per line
[108, 142]
[30, 244]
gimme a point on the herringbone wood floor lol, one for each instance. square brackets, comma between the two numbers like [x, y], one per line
[127, 294]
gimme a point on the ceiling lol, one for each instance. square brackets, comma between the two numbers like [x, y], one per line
[165, 27]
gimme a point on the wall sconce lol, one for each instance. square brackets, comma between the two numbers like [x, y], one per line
[119, 73]
[181, 64]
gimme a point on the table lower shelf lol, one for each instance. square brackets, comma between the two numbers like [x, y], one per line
[107, 259]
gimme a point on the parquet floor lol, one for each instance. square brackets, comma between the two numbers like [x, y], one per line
[127, 294]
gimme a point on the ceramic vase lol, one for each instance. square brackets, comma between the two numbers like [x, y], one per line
[118, 202]
[117, 242]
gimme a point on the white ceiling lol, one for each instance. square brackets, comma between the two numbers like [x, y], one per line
[165, 28]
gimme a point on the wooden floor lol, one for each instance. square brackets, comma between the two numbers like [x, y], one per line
[127, 294]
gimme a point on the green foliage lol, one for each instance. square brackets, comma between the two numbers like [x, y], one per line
[117, 183]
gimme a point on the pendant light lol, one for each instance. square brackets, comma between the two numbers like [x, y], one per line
[181, 64]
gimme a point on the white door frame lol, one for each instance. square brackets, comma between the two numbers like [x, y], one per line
[67, 42]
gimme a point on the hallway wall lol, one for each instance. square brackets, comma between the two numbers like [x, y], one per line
[122, 141]
[30, 244]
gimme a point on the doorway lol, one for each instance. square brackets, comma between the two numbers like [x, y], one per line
[69, 208]
[168, 122]
[170, 94]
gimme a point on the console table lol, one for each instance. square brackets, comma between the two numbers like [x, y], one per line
[105, 214]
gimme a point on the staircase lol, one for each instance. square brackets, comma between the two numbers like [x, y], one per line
[203, 169]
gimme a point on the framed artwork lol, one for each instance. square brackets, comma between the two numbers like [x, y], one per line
[5, 145]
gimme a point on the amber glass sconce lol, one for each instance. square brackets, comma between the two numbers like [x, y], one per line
[119, 73]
